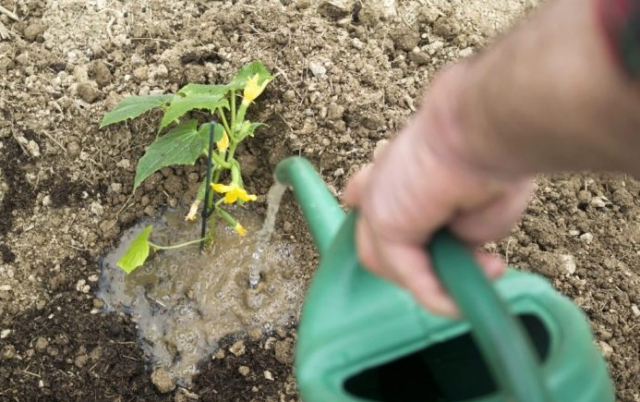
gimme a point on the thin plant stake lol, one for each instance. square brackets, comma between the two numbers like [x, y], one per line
[207, 189]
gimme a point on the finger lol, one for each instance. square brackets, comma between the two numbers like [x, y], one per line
[493, 265]
[367, 249]
[495, 220]
[356, 186]
[411, 269]
[381, 147]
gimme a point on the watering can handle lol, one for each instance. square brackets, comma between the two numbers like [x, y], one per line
[502, 340]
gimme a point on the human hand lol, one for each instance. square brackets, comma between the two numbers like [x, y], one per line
[422, 181]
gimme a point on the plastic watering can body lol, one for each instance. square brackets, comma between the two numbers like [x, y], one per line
[362, 338]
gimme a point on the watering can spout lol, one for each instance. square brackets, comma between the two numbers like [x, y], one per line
[320, 208]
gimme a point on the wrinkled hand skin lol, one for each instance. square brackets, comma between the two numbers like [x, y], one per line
[420, 183]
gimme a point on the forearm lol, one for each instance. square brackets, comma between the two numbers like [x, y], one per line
[549, 96]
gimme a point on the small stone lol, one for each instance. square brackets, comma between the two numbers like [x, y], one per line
[42, 344]
[97, 303]
[96, 208]
[635, 310]
[335, 9]
[5, 333]
[7, 352]
[140, 74]
[101, 73]
[32, 32]
[268, 375]
[46, 201]
[81, 361]
[420, 58]
[162, 71]
[574, 233]
[163, 380]
[116, 188]
[73, 148]
[237, 348]
[598, 202]
[288, 226]
[568, 263]
[466, 52]
[219, 354]
[244, 370]
[605, 335]
[357, 43]
[586, 238]
[184, 395]
[255, 333]
[269, 343]
[338, 172]
[584, 197]
[335, 112]
[317, 69]
[284, 351]
[80, 285]
[87, 92]
[33, 148]
[434, 47]
[551, 264]
[606, 349]
[406, 39]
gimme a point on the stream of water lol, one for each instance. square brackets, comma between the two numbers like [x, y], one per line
[184, 301]
[274, 197]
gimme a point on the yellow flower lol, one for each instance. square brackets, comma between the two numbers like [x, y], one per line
[223, 144]
[232, 193]
[240, 229]
[252, 90]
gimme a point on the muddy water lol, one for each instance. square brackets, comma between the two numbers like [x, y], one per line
[184, 302]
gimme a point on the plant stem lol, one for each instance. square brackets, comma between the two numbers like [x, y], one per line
[232, 133]
[232, 150]
[220, 161]
[159, 247]
[224, 121]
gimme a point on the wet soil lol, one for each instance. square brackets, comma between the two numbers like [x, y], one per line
[349, 75]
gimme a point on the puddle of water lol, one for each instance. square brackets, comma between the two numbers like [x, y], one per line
[184, 302]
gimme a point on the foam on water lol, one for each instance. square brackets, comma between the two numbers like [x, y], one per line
[184, 301]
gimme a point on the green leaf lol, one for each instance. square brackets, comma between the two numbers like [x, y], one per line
[133, 106]
[181, 105]
[180, 146]
[201, 89]
[218, 130]
[248, 129]
[137, 252]
[240, 79]
[204, 133]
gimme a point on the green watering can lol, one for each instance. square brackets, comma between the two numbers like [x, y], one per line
[362, 338]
